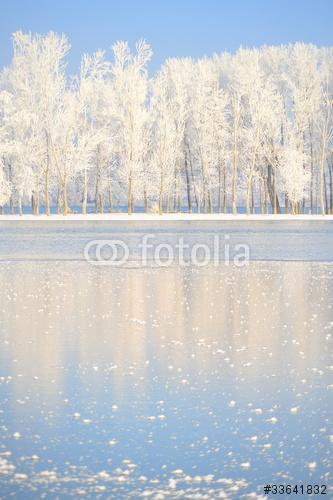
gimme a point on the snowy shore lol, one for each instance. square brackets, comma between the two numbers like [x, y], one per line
[167, 217]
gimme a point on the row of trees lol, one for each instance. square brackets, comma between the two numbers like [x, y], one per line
[252, 129]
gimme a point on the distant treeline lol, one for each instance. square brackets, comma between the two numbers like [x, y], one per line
[251, 129]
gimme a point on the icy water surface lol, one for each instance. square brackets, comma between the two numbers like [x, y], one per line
[164, 383]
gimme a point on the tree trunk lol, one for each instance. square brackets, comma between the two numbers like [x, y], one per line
[65, 212]
[274, 200]
[311, 172]
[219, 199]
[129, 197]
[85, 192]
[110, 197]
[286, 204]
[331, 188]
[274, 192]
[234, 158]
[11, 205]
[197, 201]
[145, 200]
[225, 207]
[194, 185]
[251, 172]
[248, 194]
[234, 185]
[46, 179]
[204, 203]
[160, 199]
[167, 208]
[252, 200]
[58, 202]
[266, 196]
[37, 196]
[174, 201]
[179, 199]
[175, 193]
[322, 165]
[37, 204]
[188, 187]
[210, 202]
[97, 180]
[325, 192]
[20, 205]
[47, 198]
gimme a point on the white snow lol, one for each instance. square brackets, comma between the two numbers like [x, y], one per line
[166, 217]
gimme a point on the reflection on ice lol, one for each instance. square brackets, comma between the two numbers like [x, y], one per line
[174, 382]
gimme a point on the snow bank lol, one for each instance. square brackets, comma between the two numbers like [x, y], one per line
[166, 217]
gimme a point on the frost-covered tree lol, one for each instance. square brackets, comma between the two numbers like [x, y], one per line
[325, 120]
[254, 128]
[167, 137]
[208, 125]
[260, 102]
[37, 82]
[93, 130]
[295, 177]
[130, 82]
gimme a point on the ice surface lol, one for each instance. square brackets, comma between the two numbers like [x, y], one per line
[164, 382]
[268, 237]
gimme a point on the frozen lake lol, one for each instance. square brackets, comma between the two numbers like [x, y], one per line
[176, 382]
[301, 239]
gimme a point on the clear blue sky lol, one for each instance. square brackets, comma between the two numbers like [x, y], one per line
[173, 28]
